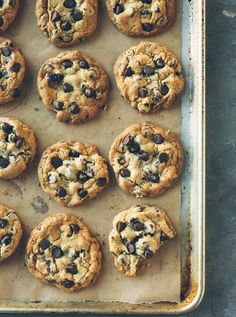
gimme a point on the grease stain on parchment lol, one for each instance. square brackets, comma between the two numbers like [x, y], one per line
[39, 205]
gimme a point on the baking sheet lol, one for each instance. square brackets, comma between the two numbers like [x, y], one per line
[162, 281]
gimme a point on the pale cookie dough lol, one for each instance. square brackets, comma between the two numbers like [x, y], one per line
[66, 22]
[61, 252]
[149, 77]
[8, 12]
[73, 85]
[12, 70]
[146, 159]
[141, 17]
[72, 172]
[17, 147]
[10, 232]
[137, 235]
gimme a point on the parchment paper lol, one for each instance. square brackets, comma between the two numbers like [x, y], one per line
[161, 282]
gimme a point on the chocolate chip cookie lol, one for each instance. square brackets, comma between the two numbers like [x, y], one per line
[149, 76]
[72, 172]
[73, 85]
[141, 17]
[12, 70]
[137, 235]
[17, 147]
[67, 22]
[8, 12]
[10, 232]
[61, 252]
[146, 159]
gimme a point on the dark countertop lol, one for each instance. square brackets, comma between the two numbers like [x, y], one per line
[219, 300]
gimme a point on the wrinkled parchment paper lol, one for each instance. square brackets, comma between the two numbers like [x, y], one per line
[161, 282]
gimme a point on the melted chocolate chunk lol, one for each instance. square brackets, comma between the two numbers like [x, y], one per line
[55, 16]
[7, 239]
[58, 105]
[144, 156]
[128, 72]
[147, 27]
[82, 177]
[67, 63]
[131, 248]
[4, 162]
[82, 193]
[68, 283]
[164, 90]
[56, 162]
[54, 79]
[163, 157]
[124, 172]
[74, 153]
[148, 70]
[148, 254]
[120, 226]
[119, 8]
[7, 128]
[67, 88]
[101, 182]
[157, 138]
[77, 16]
[72, 269]
[3, 223]
[6, 51]
[44, 244]
[90, 93]
[69, 4]
[57, 252]
[61, 192]
[142, 92]
[74, 108]
[163, 237]
[65, 26]
[83, 64]
[155, 178]
[74, 228]
[159, 63]
[16, 67]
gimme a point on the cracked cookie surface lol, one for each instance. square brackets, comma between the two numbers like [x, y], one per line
[17, 147]
[72, 172]
[12, 70]
[10, 232]
[146, 159]
[66, 22]
[61, 252]
[149, 77]
[73, 85]
[137, 235]
[141, 17]
[8, 12]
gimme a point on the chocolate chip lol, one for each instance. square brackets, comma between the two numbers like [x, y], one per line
[148, 70]
[164, 90]
[67, 87]
[90, 93]
[128, 72]
[147, 27]
[67, 63]
[82, 193]
[101, 182]
[68, 284]
[61, 192]
[7, 128]
[159, 63]
[77, 16]
[57, 252]
[148, 254]
[138, 226]
[163, 237]
[119, 8]
[19, 142]
[131, 248]
[83, 64]
[121, 160]
[147, 1]
[44, 244]
[155, 98]
[74, 153]
[58, 105]
[124, 172]
[134, 147]
[74, 228]
[16, 67]
[3, 223]
[143, 92]
[6, 51]
[4, 162]
[65, 26]
[16, 93]
[56, 162]
[163, 157]
[120, 226]
[82, 177]
[158, 10]
[144, 156]
[55, 16]
[145, 12]
[157, 138]
[177, 73]
[69, 4]
[74, 108]
[1, 21]
[155, 178]
[54, 79]
[6, 239]
[72, 269]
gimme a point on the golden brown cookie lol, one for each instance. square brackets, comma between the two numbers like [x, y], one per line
[137, 235]
[10, 232]
[8, 12]
[17, 147]
[66, 22]
[12, 70]
[72, 172]
[141, 17]
[146, 159]
[73, 85]
[149, 77]
[61, 252]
